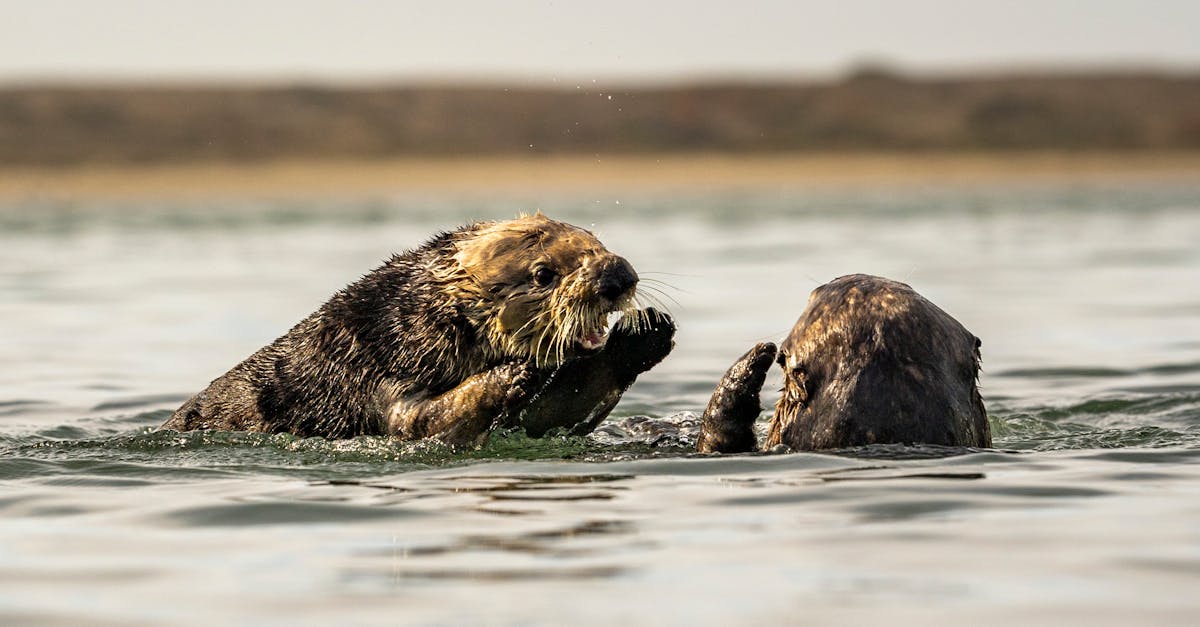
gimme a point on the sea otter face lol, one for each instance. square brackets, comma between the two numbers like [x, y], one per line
[545, 288]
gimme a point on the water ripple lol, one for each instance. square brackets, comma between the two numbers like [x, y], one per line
[305, 513]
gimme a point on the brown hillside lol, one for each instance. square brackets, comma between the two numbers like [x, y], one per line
[872, 111]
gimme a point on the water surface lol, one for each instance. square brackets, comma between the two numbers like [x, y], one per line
[1087, 298]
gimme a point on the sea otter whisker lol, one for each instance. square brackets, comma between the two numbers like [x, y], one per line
[654, 289]
[644, 273]
[544, 344]
[634, 321]
[534, 323]
[559, 345]
[550, 339]
[644, 300]
[559, 329]
[658, 282]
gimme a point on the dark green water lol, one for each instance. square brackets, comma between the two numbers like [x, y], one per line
[1087, 512]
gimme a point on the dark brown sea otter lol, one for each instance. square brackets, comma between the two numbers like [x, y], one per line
[496, 323]
[869, 362]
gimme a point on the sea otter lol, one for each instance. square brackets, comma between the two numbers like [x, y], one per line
[495, 323]
[870, 361]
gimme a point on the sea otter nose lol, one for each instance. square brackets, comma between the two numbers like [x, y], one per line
[616, 277]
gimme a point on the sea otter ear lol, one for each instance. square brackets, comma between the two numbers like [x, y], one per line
[798, 382]
[806, 384]
[977, 359]
[788, 365]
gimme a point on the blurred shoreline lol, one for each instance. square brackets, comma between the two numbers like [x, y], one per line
[299, 178]
[874, 127]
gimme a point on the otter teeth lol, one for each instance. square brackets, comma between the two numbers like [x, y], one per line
[593, 339]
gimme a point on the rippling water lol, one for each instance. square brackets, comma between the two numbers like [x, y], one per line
[1087, 299]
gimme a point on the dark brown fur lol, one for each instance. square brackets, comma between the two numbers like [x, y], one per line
[446, 341]
[581, 393]
[728, 421]
[869, 362]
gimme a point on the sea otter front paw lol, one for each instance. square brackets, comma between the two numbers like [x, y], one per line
[728, 422]
[464, 415]
[523, 381]
[640, 343]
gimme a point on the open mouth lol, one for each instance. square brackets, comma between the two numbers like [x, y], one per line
[594, 339]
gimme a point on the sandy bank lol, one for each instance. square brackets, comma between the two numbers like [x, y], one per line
[566, 173]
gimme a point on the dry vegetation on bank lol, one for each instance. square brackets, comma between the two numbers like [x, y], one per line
[872, 111]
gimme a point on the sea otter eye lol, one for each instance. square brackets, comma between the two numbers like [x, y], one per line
[544, 276]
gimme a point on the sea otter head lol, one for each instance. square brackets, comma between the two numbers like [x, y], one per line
[872, 361]
[542, 289]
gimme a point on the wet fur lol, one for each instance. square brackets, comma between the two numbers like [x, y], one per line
[442, 341]
[870, 361]
[580, 394]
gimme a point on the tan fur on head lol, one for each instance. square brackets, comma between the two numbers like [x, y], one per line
[530, 286]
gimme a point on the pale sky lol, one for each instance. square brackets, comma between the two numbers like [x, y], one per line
[610, 40]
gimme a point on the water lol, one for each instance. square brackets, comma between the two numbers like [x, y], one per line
[1087, 298]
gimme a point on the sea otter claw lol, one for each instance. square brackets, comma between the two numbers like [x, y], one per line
[524, 380]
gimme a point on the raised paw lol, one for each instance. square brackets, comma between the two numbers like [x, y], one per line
[728, 422]
[640, 341]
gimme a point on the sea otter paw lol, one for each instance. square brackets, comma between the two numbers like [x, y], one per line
[523, 381]
[639, 344]
[728, 422]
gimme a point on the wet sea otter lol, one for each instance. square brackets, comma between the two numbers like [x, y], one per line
[494, 323]
[870, 361]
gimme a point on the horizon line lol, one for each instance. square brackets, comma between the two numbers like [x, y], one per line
[883, 68]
